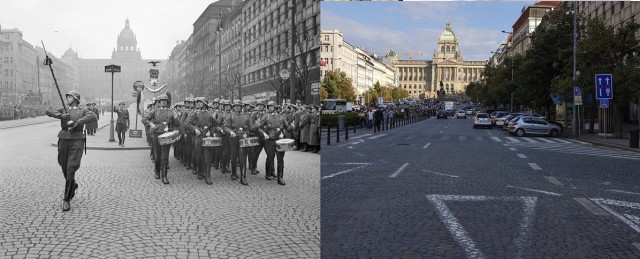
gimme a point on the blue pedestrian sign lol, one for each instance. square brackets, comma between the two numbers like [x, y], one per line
[604, 86]
[604, 103]
[577, 91]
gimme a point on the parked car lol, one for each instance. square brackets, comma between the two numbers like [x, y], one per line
[441, 114]
[532, 125]
[482, 120]
[498, 114]
[508, 119]
[461, 114]
[469, 111]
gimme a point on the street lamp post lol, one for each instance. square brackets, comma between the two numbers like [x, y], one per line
[111, 69]
[575, 119]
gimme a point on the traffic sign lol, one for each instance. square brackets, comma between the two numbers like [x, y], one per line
[577, 91]
[284, 74]
[604, 86]
[604, 103]
[577, 99]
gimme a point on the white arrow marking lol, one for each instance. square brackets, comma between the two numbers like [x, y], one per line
[632, 221]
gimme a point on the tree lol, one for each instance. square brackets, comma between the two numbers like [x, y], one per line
[338, 85]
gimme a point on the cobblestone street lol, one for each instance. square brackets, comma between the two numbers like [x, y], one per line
[121, 210]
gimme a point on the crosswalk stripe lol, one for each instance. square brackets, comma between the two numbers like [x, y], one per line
[562, 140]
[512, 139]
[462, 137]
[530, 140]
[546, 140]
[496, 139]
[445, 137]
[479, 138]
[578, 141]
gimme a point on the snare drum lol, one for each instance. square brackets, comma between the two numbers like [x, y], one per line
[285, 144]
[169, 137]
[212, 142]
[249, 142]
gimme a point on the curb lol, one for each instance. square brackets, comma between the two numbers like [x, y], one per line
[606, 144]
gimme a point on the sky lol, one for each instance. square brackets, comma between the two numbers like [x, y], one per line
[416, 26]
[91, 27]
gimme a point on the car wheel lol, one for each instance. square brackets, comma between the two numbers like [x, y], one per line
[554, 133]
[520, 132]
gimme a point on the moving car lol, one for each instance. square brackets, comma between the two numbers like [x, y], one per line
[441, 114]
[482, 120]
[461, 114]
[532, 125]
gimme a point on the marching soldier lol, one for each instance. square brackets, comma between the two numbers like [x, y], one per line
[254, 118]
[200, 123]
[305, 117]
[122, 123]
[289, 119]
[161, 120]
[226, 155]
[190, 104]
[247, 152]
[218, 121]
[271, 125]
[97, 112]
[236, 125]
[150, 108]
[178, 146]
[71, 142]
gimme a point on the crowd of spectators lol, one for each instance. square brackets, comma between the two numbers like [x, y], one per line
[20, 111]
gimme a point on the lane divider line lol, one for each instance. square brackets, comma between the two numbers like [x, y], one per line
[591, 207]
[342, 172]
[534, 166]
[399, 170]
[522, 156]
[449, 175]
[553, 180]
[427, 145]
[622, 191]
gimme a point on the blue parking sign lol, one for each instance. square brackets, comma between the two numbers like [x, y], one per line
[577, 91]
[604, 86]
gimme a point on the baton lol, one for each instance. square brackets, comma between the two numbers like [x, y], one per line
[47, 61]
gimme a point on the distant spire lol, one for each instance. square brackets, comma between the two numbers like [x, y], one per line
[126, 23]
[448, 28]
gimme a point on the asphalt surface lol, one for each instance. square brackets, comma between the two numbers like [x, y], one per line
[441, 189]
[122, 211]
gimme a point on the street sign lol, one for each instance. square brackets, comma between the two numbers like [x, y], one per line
[577, 91]
[604, 86]
[577, 99]
[284, 74]
[604, 103]
[138, 86]
[112, 68]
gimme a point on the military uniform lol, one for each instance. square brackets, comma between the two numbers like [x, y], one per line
[71, 142]
[122, 124]
[200, 123]
[236, 126]
[272, 126]
[305, 118]
[216, 131]
[161, 120]
[314, 127]
[190, 163]
[254, 119]
[225, 155]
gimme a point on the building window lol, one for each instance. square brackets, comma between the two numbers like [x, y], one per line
[442, 49]
[326, 37]
[448, 49]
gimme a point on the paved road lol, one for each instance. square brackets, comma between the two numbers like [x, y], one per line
[439, 188]
[121, 210]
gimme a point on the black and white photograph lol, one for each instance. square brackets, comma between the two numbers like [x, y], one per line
[160, 129]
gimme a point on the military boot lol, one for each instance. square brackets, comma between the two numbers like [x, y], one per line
[280, 175]
[67, 194]
[207, 177]
[243, 176]
[165, 180]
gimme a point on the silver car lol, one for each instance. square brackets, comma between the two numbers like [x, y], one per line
[532, 125]
[482, 120]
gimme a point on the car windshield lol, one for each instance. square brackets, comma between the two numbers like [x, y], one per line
[482, 115]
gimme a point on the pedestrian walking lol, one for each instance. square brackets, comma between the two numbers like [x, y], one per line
[71, 142]
[378, 116]
[370, 118]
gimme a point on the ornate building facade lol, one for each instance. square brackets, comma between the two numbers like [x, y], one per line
[447, 70]
[95, 84]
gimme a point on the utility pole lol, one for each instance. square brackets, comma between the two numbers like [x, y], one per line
[575, 122]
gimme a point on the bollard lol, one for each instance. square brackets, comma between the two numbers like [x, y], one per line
[329, 135]
[338, 133]
[346, 132]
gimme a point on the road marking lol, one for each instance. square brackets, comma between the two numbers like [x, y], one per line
[563, 141]
[513, 149]
[342, 172]
[594, 209]
[534, 166]
[350, 147]
[353, 163]
[441, 131]
[375, 137]
[512, 139]
[534, 190]
[427, 145]
[462, 137]
[479, 138]
[622, 191]
[496, 139]
[606, 183]
[522, 156]
[637, 245]
[530, 140]
[631, 220]
[399, 170]
[553, 180]
[449, 175]
[462, 236]
[362, 136]
[506, 145]
[546, 140]
[578, 141]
